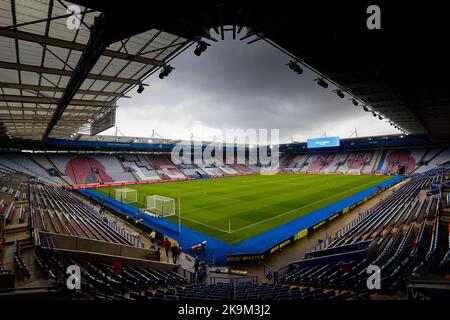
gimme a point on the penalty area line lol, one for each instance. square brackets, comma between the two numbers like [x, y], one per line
[204, 224]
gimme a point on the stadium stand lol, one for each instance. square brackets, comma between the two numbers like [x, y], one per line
[408, 159]
[60, 88]
[113, 168]
[403, 230]
[357, 162]
[22, 164]
[61, 212]
[406, 234]
[338, 159]
[228, 170]
[140, 167]
[165, 167]
[434, 158]
[213, 171]
[60, 162]
[114, 281]
[63, 169]
[370, 167]
[194, 173]
[246, 169]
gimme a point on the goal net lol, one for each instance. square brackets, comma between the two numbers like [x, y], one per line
[126, 195]
[160, 205]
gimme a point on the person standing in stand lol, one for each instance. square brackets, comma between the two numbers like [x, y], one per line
[175, 253]
[167, 244]
[196, 264]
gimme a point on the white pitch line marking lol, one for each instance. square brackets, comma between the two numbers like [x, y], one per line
[309, 204]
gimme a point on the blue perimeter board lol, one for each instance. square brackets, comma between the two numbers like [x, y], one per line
[217, 250]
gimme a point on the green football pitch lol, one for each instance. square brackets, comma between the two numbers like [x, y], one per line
[237, 208]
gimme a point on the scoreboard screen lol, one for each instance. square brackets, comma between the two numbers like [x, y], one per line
[323, 142]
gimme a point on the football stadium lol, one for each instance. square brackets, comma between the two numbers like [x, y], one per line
[305, 208]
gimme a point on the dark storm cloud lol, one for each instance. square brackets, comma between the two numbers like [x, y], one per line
[235, 85]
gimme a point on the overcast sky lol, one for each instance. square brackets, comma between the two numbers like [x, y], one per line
[235, 85]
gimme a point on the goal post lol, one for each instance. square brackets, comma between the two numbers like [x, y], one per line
[126, 195]
[162, 206]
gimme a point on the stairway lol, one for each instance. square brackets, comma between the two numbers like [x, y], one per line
[125, 170]
[61, 174]
[421, 159]
[98, 175]
[377, 162]
[343, 162]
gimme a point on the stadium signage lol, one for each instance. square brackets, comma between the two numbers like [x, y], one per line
[245, 257]
[285, 243]
[323, 142]
[301, 234]
[116, 184]
[320, 224]
[334, 216]
[231, 271]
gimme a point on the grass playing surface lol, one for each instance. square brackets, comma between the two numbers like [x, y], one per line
[237, 208]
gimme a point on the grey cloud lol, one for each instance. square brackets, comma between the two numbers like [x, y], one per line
[235, 85]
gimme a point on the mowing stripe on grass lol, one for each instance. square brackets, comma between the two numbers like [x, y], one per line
[305, 206]
[251, 203]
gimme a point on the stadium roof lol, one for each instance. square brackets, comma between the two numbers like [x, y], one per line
[53, 82]
[401, 72]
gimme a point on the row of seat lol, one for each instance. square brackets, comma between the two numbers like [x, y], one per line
[21, 268]
[251, 291]
[60, 211]
[113, 279]
[402, 228]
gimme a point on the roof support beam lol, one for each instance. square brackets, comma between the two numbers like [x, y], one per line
[99, 40]
[75, 46]
[46, 100]
[11, 85]
[60, 72]
[51, 110]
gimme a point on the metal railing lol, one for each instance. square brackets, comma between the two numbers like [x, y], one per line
[233, 281]
[363, 214]
[136, 241]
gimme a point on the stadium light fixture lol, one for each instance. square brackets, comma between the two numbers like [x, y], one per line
[340, 93]
[140, 88]
[295, 66]
[380, 117]
[355, 102]
[165, 71]
[366, 109]
[374, 114]
[321, 82]
[200, 48]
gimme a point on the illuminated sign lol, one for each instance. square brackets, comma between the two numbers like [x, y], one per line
[238, 258]
[285, 243]
[301, 234]
[333, 217]
[317, 226]
[323, 142]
